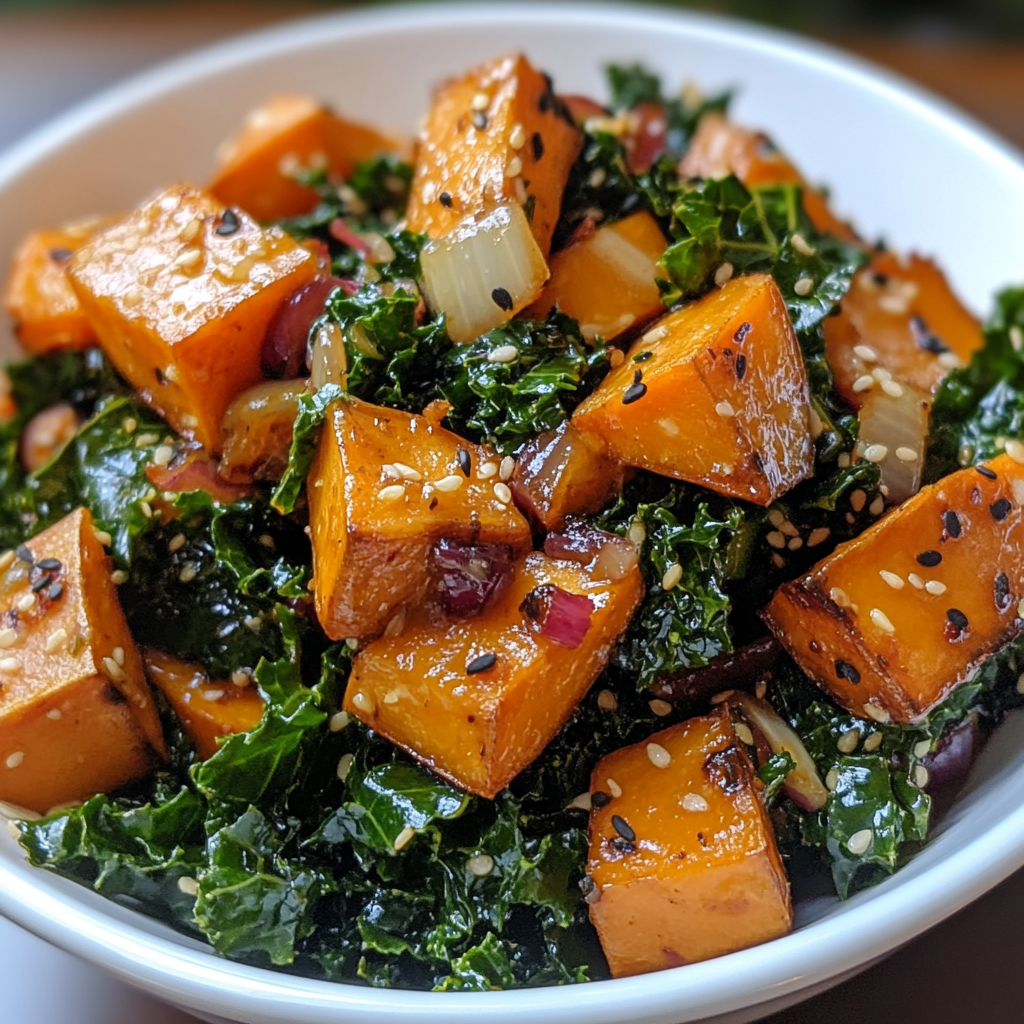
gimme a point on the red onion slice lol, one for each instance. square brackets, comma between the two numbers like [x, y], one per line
[470, 576]
[284, 342]
[341, 232]
[196, 473]
[562, 617]
[609, 556]
[948, 764]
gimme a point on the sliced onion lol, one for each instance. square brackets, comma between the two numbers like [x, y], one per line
[328, 361]
[470, 576]
[482, 273]
[46, 434]
[803, 784]
[257, 431]
[287, 334]
[195, 473]
[948, 764]
[562, 617]
[741, 670]
[899, 423]
[609, 556]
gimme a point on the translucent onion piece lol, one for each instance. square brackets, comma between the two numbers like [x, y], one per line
[609, 556]
[46, 434]
[899, 423]
[257, 431]
[562, 617]
[481, 274]
[328, 363]
[287, 334]
[803, 784]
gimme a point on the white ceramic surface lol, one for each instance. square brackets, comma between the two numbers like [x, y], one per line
[899, 161]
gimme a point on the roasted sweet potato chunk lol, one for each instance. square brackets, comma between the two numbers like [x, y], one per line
[607, 280]
[256, 168]
[208, 710]
[715, 393]
[720, 147]
[76, 715]
[893, 620]
[683, 862]
[900, 320]
[385, 486]
[495, 135]
[478, 699]
[46, 312]
[180, 293]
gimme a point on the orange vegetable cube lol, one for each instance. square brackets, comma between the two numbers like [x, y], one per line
[715, 393]
[208, 711]
[256, 167]
[607, 281]
[76, 715]
[478, 699]
[38, 296]
[893, 620]
[683, 862]
[384, 488]
[903, 312]
[180, 293]
[720, 148]
[495, 135]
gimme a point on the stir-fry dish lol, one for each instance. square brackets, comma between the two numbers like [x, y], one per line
[537, 552]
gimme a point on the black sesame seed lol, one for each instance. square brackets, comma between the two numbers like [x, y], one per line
[60, 255]
[880, 279]
[159, 374]
[741, 366]
[479, 120]
[465, 462]
[929, 559]
[620, 826]
[24, 554]
[600, 799]
[1000, 509]
[545, 102]
[1001, 592]
[633, 393]
[924, 337]
[847, 671]
[703, 842]
[481, 663]
[445, 199]
[952, 523]
[989, 474]
[502, 299]
[741, 332]
[957, 618]
[538, 145]
[638, 375]
[229, 223]
[43, 581]
[49, 564]
[55, 591]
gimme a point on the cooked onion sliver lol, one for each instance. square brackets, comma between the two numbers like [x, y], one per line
[481, 274]
[898, 423]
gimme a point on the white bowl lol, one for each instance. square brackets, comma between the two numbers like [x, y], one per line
[900, 162]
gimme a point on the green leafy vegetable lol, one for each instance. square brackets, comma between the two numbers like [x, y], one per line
[309, 422]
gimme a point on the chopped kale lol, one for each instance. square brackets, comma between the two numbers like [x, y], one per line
[309, 423]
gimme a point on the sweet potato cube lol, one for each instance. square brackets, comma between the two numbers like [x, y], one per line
[683, 859]
[385, 486]
[180, 293]
[256, 167]
[903, 316]
[208, 711]
[562, 473]
[76, 715]
[893, 620]
[495, 135]
[720, 147]
[607, 281]
[715, 393]
[46, 312]
[478, 699]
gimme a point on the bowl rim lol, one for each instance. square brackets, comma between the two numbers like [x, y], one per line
[820, 951]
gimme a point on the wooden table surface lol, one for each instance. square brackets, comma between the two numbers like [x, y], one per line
[966, 969]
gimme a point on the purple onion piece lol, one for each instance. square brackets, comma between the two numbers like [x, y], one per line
[949, 763]
[578, 542]
[561, 616]
[284, 342]
[470, 576]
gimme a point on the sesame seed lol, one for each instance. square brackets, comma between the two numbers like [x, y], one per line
[176, 543]
[832, 780]
[723, 274]
[597, 177]
[616, 357]
[877, 713]
[118, 576]
[875, 452]
[860, 841]
[742, 730]
[517, 137]
[817, 427]
[656, 333]
[502, 299]
[483, 863]
[188, 573]
[865, 352]
[776, 517]
[479, 119]
[514, 167]
[843, 462]
[660, 707]
[613, 787]
[26, 603]
[128, 424]
[929, 559]
[905, 454]
[877, 507]
[8, 637]
[788, 529]
[873, 742]
[481, 663]
[146, 509]
[502, 493]
[407, 472]
[254, 622]
[897, 305]
[801, 245]
[338, 721]
[881, 620]
[935, 587]
[658, 755]
[949, 360]
[894, 581]
[480, 101]
[776, 539]
[116, 673]
[362, 702]
[858, 499]
[694, 802]
[778, 561]
[725, 409]
[804, 286]
[506, 468]
[393, 492]
[761, 688]
[892, 389]
[103, 537]
[211, 695]
[118, 654]
[607, 701]
[864, 383]
[9, 664]
[189, 258]
[919, 776]
[54, 714]
[15, 759]
[503, 354]
[188, 885]
[448, 483]
[1015, 450]
[673, 574]
[622, 827]
[881, 374]
[55, 639]
[6, 560]
[25, 554]
[840, 597]
[721, 698]
[634, 393]
[1000, 509]
[239, 677]
[637, 532]
[404, 837]
[952, 523]
[847, 743]
[915, 581]
[795, 544]
[844, 670]
[957, 619]
[818, 536]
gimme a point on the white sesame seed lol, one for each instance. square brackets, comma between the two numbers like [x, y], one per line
[949, 360]
[892, 389]
[658, 755]
[840, 597]
[915, 581]
[801, 244]
[502, 493]
[673, 574]
[616, 357]
[163, 455]
[338, 721]
[239, 677]
[788, 529]
[660, 707]
[725, 409]
[922, 748]
[128, 424]
[864, 383]
[776, 517]
[694, 802]
[656, 334]
[54, 640]
[795, 544]
[935, 587]
[448, 483]
[403, 838]
[189, 258]
[761, 688]
[118, 576]
[1020, 608]
[392, 696]
[878, 714]
[486, 470]
[517, 137]
[776, 539]
[1015, 450]
[393, 492]
[9, 664]
[8, 637]
[483, 863]
[858, 499]
[818, 536]
[804, 286]
[919, 776]
[211, 695]
[613, 787]
[817, 427]
[873, 742]
[742, 730]
[514, 168]
[188, 573]
[881, 620]
[877, 507]
[843, 462]
[875, 452]
[54, 714]
[118, 654]
[894, 581]
[637, 532]
[1016, 338]
[607, 701]
[778, 561]
[254, 622]
[905, 454]
[176, 543]
[363, 702]
[881, 374]
[408, 473]
[13, 760]
[847, 743]
[832, 780]
[146, 509]
[480, 101]
[721, 698]
[507, 468]
[115, 671]
[188, 885]
[103, 537]
[865, 352]
[859, 842]
[723, 274]
[6, 560]
[145, 440]
[897, 305]
[344, 764]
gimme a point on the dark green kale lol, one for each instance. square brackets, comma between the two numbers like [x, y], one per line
[983, 402]
[309, 423]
